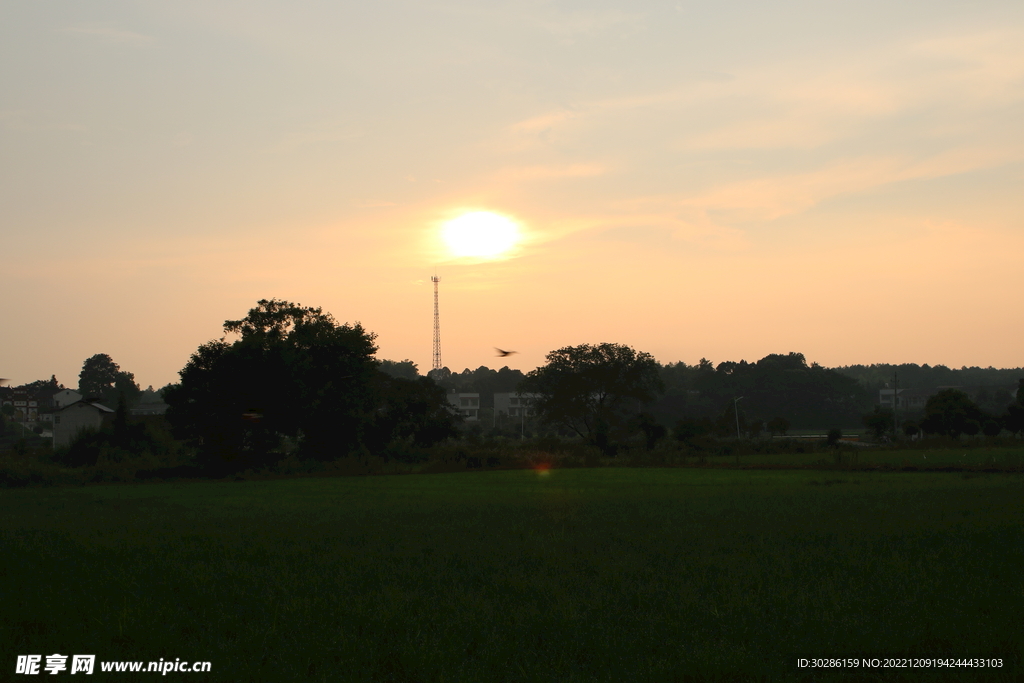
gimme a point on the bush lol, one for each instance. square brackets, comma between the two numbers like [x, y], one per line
[778, 425]
[879, 421]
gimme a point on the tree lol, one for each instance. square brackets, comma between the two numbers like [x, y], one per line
[405, 369]
[102, 378]
[295, 372]
[951, 412]
[879, 421]
[687, 429]
[120, 428]
[991, 427]
[1013, 420]
[729, 418]
[98, 375]
[593, 390]
[779, 384]
[51, 385]
[778, 425]
[652, 430]
[411, 411]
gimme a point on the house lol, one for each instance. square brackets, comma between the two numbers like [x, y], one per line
[65, 397]
[907, 399]
[73, 419]
[466, 404]
[915, 400]
[514, 404]
[26, 404]
[29, 404]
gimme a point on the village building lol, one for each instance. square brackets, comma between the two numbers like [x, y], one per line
[78, 417]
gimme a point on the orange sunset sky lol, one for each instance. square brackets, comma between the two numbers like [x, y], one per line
[725, 179]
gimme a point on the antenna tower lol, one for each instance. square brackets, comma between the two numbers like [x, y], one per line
[437, 327]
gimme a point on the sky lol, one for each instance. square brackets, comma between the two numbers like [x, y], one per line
[721, 180]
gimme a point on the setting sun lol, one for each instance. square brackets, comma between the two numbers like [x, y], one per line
[481, 234]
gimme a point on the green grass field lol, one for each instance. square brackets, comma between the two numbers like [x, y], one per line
[981, 458]
[575, 575]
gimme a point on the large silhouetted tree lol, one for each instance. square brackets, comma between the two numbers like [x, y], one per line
[593, 390]
[410, 411]
[102, 378]
[295, 372]
[951, 412]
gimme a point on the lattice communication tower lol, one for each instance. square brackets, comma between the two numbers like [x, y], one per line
[437, 327]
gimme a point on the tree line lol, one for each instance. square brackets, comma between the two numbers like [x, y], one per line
[913, 376]
[951, 412]
[290, 379]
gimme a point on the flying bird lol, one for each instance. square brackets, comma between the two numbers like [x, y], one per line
[503, 354]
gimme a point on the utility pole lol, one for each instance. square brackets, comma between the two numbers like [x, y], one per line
[895, 405]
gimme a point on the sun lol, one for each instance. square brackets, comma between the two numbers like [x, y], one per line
[481, 234]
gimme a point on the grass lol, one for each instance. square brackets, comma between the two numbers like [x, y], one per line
[972, 457]
[599, 574]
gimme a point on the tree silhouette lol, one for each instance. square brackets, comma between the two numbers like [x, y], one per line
[952, 413]
[879, 421]
[102, 378]
[593, 390]
[295, 372]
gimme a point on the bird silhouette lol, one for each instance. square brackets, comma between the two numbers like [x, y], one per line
[503, 354]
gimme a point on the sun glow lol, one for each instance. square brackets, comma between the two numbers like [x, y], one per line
[482, 234]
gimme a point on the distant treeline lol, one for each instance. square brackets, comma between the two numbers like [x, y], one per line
[807, 395]
[913, 376]
[786, 386]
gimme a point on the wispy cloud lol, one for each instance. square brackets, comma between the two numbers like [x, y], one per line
[916, 109]
[26, 120]
[312, 135]
[543, 122]
[573, 24]
[550, 172]
[109, 33]
[374, 205]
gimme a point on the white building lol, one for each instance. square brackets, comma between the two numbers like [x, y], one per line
[65, 397]
[73, 419]
[514, 404]
[466, 404]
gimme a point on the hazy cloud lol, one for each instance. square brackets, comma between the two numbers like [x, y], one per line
[109, 33]
[529, 173]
